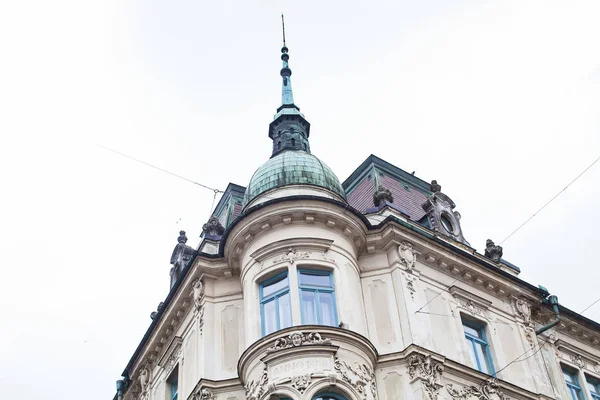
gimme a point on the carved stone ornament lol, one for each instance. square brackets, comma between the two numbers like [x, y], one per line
[172, 361]
[204, 394]
[291, 256]
[597, 368]
[470, 305]
[255, 389]
[435, 187]
[488, 390]
[578, 360]
[361, 378]
[408, 256]
[382, 194]
[524, 309]
[422, 367]
[301, 382]
[213, 227]
[144, 377]
[296, 339]
[441, 215]
[410, 285]
[153, 314]
[198, 294]
[492, 251]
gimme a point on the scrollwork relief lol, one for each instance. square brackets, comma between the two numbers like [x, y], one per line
[421, 366]
[296, 339]
[578, 360]
[204, 394]
[470, 306]
[255, 389]
[361, 378]
[410, 285]
[291, 256]
[488, 390]
[524, 310]
[301, 382]
[408, 256]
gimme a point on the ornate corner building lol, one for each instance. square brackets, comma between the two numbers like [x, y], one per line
[303, 287]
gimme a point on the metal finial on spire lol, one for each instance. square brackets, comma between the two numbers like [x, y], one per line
[283, 28]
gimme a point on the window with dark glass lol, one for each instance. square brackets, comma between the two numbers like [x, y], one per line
[173, 384]
[572, 382]
[329, 396]
[275, 307]
[594, 386]
[478, 346]
[317, 298]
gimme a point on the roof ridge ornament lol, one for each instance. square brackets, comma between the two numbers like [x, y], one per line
[492, 251]
[441, 215]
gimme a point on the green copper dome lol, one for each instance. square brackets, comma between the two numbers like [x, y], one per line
[292, 168]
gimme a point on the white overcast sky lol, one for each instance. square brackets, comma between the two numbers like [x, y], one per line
[497, 100]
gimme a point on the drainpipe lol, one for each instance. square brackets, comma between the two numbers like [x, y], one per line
[553, 301]
[121, 385]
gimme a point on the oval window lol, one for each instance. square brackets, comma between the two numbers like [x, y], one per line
[447, 223]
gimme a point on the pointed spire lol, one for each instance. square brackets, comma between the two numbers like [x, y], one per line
[289, 130]
[287, 96]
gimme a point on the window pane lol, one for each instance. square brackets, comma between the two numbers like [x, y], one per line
[575, 393]
[269, 317]
[309, 307]
[472, 353]
[472, 331]
[484, 361]
[285, 311]
[593, 385]
[327, 312]
[275, 286]
[315, 280]
[567, 377]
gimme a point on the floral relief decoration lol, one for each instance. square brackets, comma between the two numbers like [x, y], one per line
[421, 366]
[291, 256]
[255, 389]
[488, 390]
[361, 378]
[301, 382]
[296, 339]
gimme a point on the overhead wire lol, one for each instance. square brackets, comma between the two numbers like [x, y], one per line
[590, 306]
[551, 200]
[216, 191]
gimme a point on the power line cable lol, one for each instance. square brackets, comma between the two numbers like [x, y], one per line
[160, 169]
[590, 306]
[551, 200]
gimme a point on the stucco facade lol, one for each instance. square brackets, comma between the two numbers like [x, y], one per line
[405, 290]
